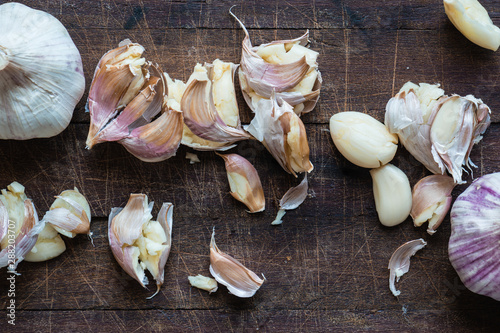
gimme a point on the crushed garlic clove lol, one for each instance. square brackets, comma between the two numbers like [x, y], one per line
[473, 21]
[292, 199]
[203, 282]
[48, 245]
[399, 264]
[139, 243]
[244, 182]
[239, 280]
[431, 201]
[392, 193]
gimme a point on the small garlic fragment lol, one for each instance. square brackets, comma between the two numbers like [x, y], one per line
[431, 201]
[193, 158]
[362, 139]
[244, 182]
[473, 21]
[399, 264]
[392, 193]
[137, 242]
[203, 282]
[48, 246]
[292, 199]
[239, 280]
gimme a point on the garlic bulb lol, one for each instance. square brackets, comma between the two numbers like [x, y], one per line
[41, 74]
[475, 236]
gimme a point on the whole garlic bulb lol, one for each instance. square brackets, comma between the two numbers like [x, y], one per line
[41, 74]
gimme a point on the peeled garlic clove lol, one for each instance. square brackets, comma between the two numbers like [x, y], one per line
[137, 242]
[473, 21]
[407, 115]
[399, 264]
[210, 94]
[286, 68]
[362, 139]
[431, 201]
[244, 182]
[203, 282]
[239, 280]
[392, 193]
[48, 245]
[69, 214]
[23, 220]
[41, 74]
[283, 134]
[292, 199]
[458, 124]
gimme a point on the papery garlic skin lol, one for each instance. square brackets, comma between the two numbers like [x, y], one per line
[473, 21]
[41, 74]
[203, 282]
[392, 193]
[292, 199]
[239, 280]
[431, 201]
[362, 139]
[399, 264]
[48, 245]
[473, 248]
[137, 242]
[244, 182]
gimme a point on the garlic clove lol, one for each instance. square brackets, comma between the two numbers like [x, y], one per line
[203, 282]
[239, 280]
[209, 96]
[48, 245]
[362, 139]
[392, 193]
[292, 199]
[244, 182]
[137, 242]
[399, 264]
[431, 201]
[473, 21]
[283, 134]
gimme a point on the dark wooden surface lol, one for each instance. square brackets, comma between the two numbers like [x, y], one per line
[326, 265]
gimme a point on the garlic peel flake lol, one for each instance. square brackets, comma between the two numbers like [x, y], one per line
[399, 264]
[292, 199]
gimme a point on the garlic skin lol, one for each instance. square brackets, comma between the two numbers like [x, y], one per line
[473, 21]
[399, 264]
[286, 68]
[431, 201]
[244, 182]
[239, 280]
[41, 74]
[19, 213]
[283, 134]
[48, 245]
[137, 242]
[362, 139]
[392, 193]
[203, 282]
[475, 234]
[292, 199]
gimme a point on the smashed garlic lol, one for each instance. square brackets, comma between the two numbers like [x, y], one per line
[48, 245]
[244, 182]
[292, 199]
[473, 21]
[139, 243]
[41, 74]
[203, 282]
[392, 193]
[399, 264]
[239, 280]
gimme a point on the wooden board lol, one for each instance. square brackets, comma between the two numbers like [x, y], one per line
[326, 266]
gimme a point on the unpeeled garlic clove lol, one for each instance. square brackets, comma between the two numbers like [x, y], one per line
[362, 139]
[48, 245]
[399, 264]
[286, 68]
[292, 199]
[473, 21]
[203, 282]
[283, 134]
[20, 215]
[392, 193]
[244, 182]
[431, 201]
[137, 242]
[239, 280]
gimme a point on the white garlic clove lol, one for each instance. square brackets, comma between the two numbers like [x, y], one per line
[431, 201]
[137, 242]
[473, 21]
[41, 74]
[239, 280]
[203, 282]
[392, 193]
[399, 264]
[362, 139]
[244, 182]
[292, 199]
[48, 245]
